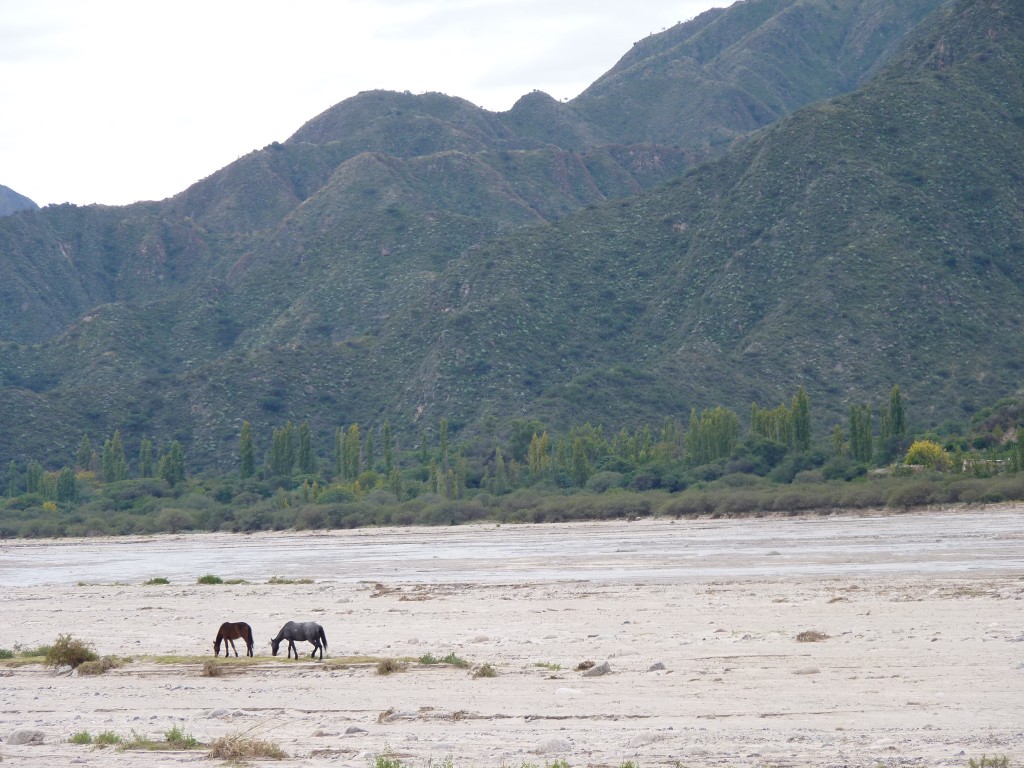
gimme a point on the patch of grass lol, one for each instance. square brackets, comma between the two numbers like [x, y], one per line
[99, 666]
[211, 669]
[548, 665]
[989, 762]
[177, 739]
[485, 670]
[41, 651]
[387, 666]
[281, 580]
[107, 739]
[455, 661]
[209, 578]
[67, 651]
[156, 581]
[82, 737]
[428, 658]
[244, 746]
[387, 760]
[6, 653]
[811, 636]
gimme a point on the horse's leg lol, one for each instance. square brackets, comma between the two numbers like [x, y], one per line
[292, 649]
[232, 648]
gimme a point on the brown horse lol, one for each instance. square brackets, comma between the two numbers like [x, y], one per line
[229, 632]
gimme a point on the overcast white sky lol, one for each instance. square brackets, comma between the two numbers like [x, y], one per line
[113, 101]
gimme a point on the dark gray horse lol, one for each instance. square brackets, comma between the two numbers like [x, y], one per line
[305, 631]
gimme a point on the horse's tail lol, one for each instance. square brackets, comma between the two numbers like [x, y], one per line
[248, 632]
[323, 638]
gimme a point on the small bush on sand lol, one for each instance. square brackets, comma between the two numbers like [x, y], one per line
[99, 666]
[989, 762]
[811, 636]
[244, 746]
[157, 581]
[6, 653]
[177, 739]
[455, 661]
[107, 739]
[387, 666]
[387, 760]
[281, 580]
[211, 669]
[210, 578]
[485, 670]
[82, 737]
[67, 651]
[428, 658]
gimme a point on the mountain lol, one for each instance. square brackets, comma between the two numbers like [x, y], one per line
[415, 257]
[11, 201]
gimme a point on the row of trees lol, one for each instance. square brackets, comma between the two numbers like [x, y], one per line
[364, 459]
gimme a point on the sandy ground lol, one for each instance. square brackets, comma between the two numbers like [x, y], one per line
[917, 670]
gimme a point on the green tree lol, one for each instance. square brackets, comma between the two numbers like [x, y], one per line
[34, 477]
[371, 459]
[712, 436]
[282, 452]
[861, 433]
[146, 458]
[115, 465]
[385, 438]
[351, 449]
[84, 455]
[801, 410]
[307, 459]
[171, 468]
[67, 486]
[246, 452]
[12, 479]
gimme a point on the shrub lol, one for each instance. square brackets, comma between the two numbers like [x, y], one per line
[210, 579]
[66, 651]
[929, 454]
[811, 636]
[6, 653]
[82, 737]
[99, 666]
[485, 670]
[211, 669]
[107, 739]
[156, 581]
[176, 739]
[243, 746]
[387, 666]
[455, 661]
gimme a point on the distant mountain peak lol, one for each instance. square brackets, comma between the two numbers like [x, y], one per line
[11, 202]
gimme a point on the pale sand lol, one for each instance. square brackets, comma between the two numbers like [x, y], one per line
[916, 671]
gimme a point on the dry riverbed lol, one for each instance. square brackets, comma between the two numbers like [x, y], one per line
[911, 667]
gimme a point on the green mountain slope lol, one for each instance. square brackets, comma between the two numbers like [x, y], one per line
[871, 240]
[414, 257]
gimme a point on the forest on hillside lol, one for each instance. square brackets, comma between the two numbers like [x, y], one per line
[713, 467]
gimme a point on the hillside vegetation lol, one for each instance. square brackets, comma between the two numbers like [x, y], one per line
[412, 258]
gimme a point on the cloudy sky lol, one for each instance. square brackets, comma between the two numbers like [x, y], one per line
[113, 101]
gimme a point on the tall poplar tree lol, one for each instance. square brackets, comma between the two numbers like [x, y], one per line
[146, 458]
[307, 460]
[385, 438]
[246, 452]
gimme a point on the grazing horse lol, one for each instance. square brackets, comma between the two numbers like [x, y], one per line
[308, 631]
[229, 632]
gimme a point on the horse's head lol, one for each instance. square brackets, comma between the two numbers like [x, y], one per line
[216, 647]
[274, 645]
